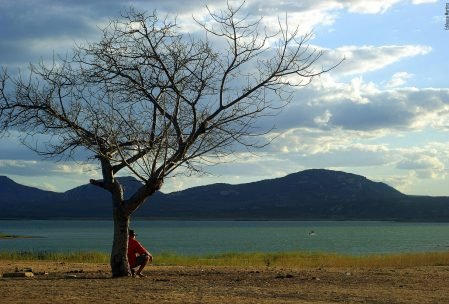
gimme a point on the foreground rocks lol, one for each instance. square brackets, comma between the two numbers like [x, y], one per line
[92, 283]
[24, 274]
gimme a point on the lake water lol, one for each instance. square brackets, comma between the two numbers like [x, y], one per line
[207, 237]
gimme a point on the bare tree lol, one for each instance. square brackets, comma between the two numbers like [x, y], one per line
[148, 100]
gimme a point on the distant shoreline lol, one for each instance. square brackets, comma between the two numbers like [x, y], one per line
[15, 236]
[225, 219]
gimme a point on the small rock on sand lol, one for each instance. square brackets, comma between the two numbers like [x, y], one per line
[25, 274]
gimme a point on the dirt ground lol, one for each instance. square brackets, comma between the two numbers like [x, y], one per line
[91, 283]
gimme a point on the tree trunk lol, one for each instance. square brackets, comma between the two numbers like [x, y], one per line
[119, 258]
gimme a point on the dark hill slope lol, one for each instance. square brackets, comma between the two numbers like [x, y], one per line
[311, 194]
[17, 199]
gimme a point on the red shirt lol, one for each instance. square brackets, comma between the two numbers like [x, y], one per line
[134, 248]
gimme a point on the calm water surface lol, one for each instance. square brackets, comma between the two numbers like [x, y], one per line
[205, 237]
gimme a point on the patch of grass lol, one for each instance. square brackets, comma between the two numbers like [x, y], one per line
[257, 259]
[80, 257]
[301, 259]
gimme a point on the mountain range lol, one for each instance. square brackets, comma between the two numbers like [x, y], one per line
[314, 194]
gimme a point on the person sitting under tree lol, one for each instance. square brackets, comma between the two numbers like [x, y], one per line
[138, 256]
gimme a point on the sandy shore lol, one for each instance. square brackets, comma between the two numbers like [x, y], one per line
[91, 283]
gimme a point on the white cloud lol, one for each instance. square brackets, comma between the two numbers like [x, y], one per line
[398, 79]
[364, 107]
[306, 21]
[25, 167]
[323, 119]
[400, 182]
[369, 6]
[36, 168]
[354, 6]
[48, 175]
[425, 166]
[368, 58]
[74, 168]
[423, 1]
[44, 186]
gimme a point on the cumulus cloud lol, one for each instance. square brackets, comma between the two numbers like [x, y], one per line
[335, 148]
[369, 6]
[365, 107]
[37, 168]
[425, 166]
[425, 163]
[48, 175]
[423, 1]
[398, 79]
[57, 25]
[368, 58]
[20, 167]
[354, 6]
[400, 182]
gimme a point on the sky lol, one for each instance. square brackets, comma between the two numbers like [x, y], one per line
[383, 113]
